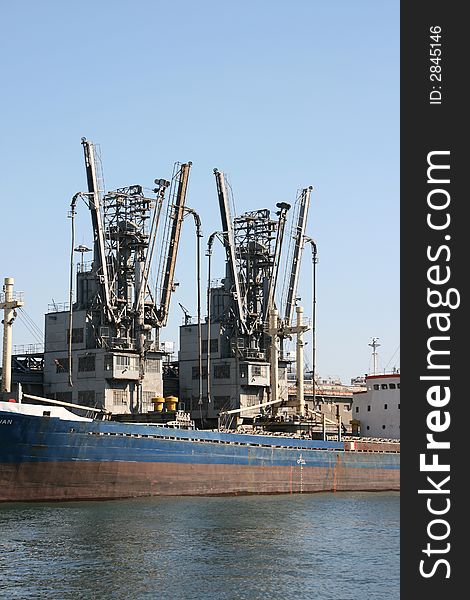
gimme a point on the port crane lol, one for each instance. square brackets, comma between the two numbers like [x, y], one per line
[187, 316]
[253, 260]
[125, 224]
[253, 246]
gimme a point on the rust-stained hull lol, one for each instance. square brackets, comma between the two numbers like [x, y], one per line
[111, 480]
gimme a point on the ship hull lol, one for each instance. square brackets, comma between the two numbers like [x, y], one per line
[49, 459]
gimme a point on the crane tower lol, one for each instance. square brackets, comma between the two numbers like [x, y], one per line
[110, 355]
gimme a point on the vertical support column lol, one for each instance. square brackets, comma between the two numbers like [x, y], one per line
[274, 374]
[9, 304]
[139, 302]
[300, 362]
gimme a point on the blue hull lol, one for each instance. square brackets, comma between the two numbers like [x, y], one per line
[44, 458]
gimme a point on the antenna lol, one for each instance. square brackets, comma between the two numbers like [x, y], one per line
[187, 316]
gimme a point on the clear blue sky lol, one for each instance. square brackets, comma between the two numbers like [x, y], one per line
[279, 95]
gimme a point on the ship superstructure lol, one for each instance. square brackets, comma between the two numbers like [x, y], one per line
[102, 349]
[376, 410]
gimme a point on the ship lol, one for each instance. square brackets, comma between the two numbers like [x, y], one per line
[48, 453]
[98, 431]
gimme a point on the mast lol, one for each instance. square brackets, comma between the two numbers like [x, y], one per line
[9, 302]
[375, 344]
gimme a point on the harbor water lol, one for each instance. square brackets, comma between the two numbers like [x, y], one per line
[341, 546]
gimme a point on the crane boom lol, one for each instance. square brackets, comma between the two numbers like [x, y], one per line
[227, 228]
[299, 240]
[94, 203]
[176, 218]
[282, 213]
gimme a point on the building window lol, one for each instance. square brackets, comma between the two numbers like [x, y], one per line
[126, 363]
[385, 406]
[214, 346]
[357, 408]
[383, 426]
[86, 397]
[108, 362]
[221, 371]
[368, 408]
[252, 400]
[259, 371]
[153, 365]
[194, 403]
[63, 396]
[243, 371]
[77, 335]
[392, 386]
[147, 398]
[398, 407]
[61, 365]
[195, 373]
[367, 427]
[221, 402]
[376, 386]
[384, 386]
[86, 363]
[120, 397]
[398, 385]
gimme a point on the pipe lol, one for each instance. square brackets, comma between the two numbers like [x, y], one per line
[274, 374]
[73, 212]
[197, 222]
[314, 310]
[300, 362]
[69, 404]
[210, 243]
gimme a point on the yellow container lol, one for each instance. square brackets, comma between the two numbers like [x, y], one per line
[158, 403]
[171, 402]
